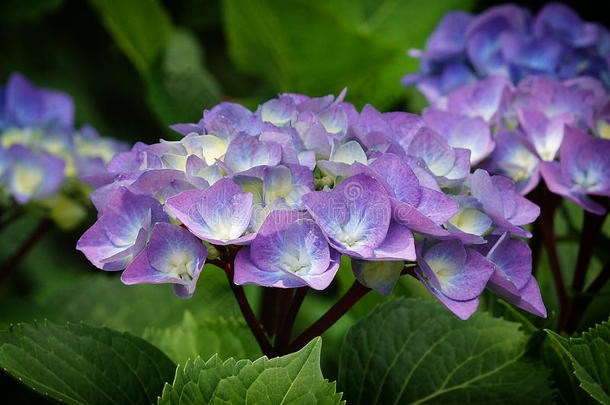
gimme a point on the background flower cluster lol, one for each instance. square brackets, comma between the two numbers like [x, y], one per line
[42, 155]
[509, 40]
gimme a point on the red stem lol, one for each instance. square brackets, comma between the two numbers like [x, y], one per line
[246, 310]
[547, 222]
[591, 228]
[283, 339]
[331, 316]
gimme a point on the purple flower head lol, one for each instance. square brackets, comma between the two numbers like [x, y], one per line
[172, 255]
[584, 170]
[356, 218]
[32, 176]
[289, 251]
[455, 275]
[219, 214]
[512, 278]
[303, 180]
[122, 231]
[502, 203]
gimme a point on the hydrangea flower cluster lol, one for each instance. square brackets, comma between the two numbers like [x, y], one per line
[509, 41]
[542, 127]
[283, 192]
[40, 151]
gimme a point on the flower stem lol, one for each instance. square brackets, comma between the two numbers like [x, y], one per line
[591, 228]
[12, 263]
[269, 310]
[246, 310]
[547, 223]
[283, 338]
[240, 296]
[331, 316]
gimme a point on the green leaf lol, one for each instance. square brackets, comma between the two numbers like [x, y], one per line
[590, 356]
[414, 351]
[318, 47]
[223, 336]
[79, 364]
[557, 361]
[181, 87]
[292, 379]
[141, 28]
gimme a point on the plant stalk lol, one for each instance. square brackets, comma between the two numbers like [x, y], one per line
[283, 338]
[331, 316]
[591, 228]
[547, 223]
[244, 306]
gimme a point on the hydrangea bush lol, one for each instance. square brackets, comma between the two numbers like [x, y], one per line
[529, 97]
[278, 195]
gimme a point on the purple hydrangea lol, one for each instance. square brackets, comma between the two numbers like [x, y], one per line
[41, 150]
[283, 192]
[507, 40]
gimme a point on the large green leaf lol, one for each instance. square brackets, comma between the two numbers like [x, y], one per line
[78, 364]
[227, 337]
[142, 28]
[292, 379]
[414, 351]
[318, 47]
[590, 356]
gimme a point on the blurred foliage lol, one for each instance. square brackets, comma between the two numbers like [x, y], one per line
[318, 47]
